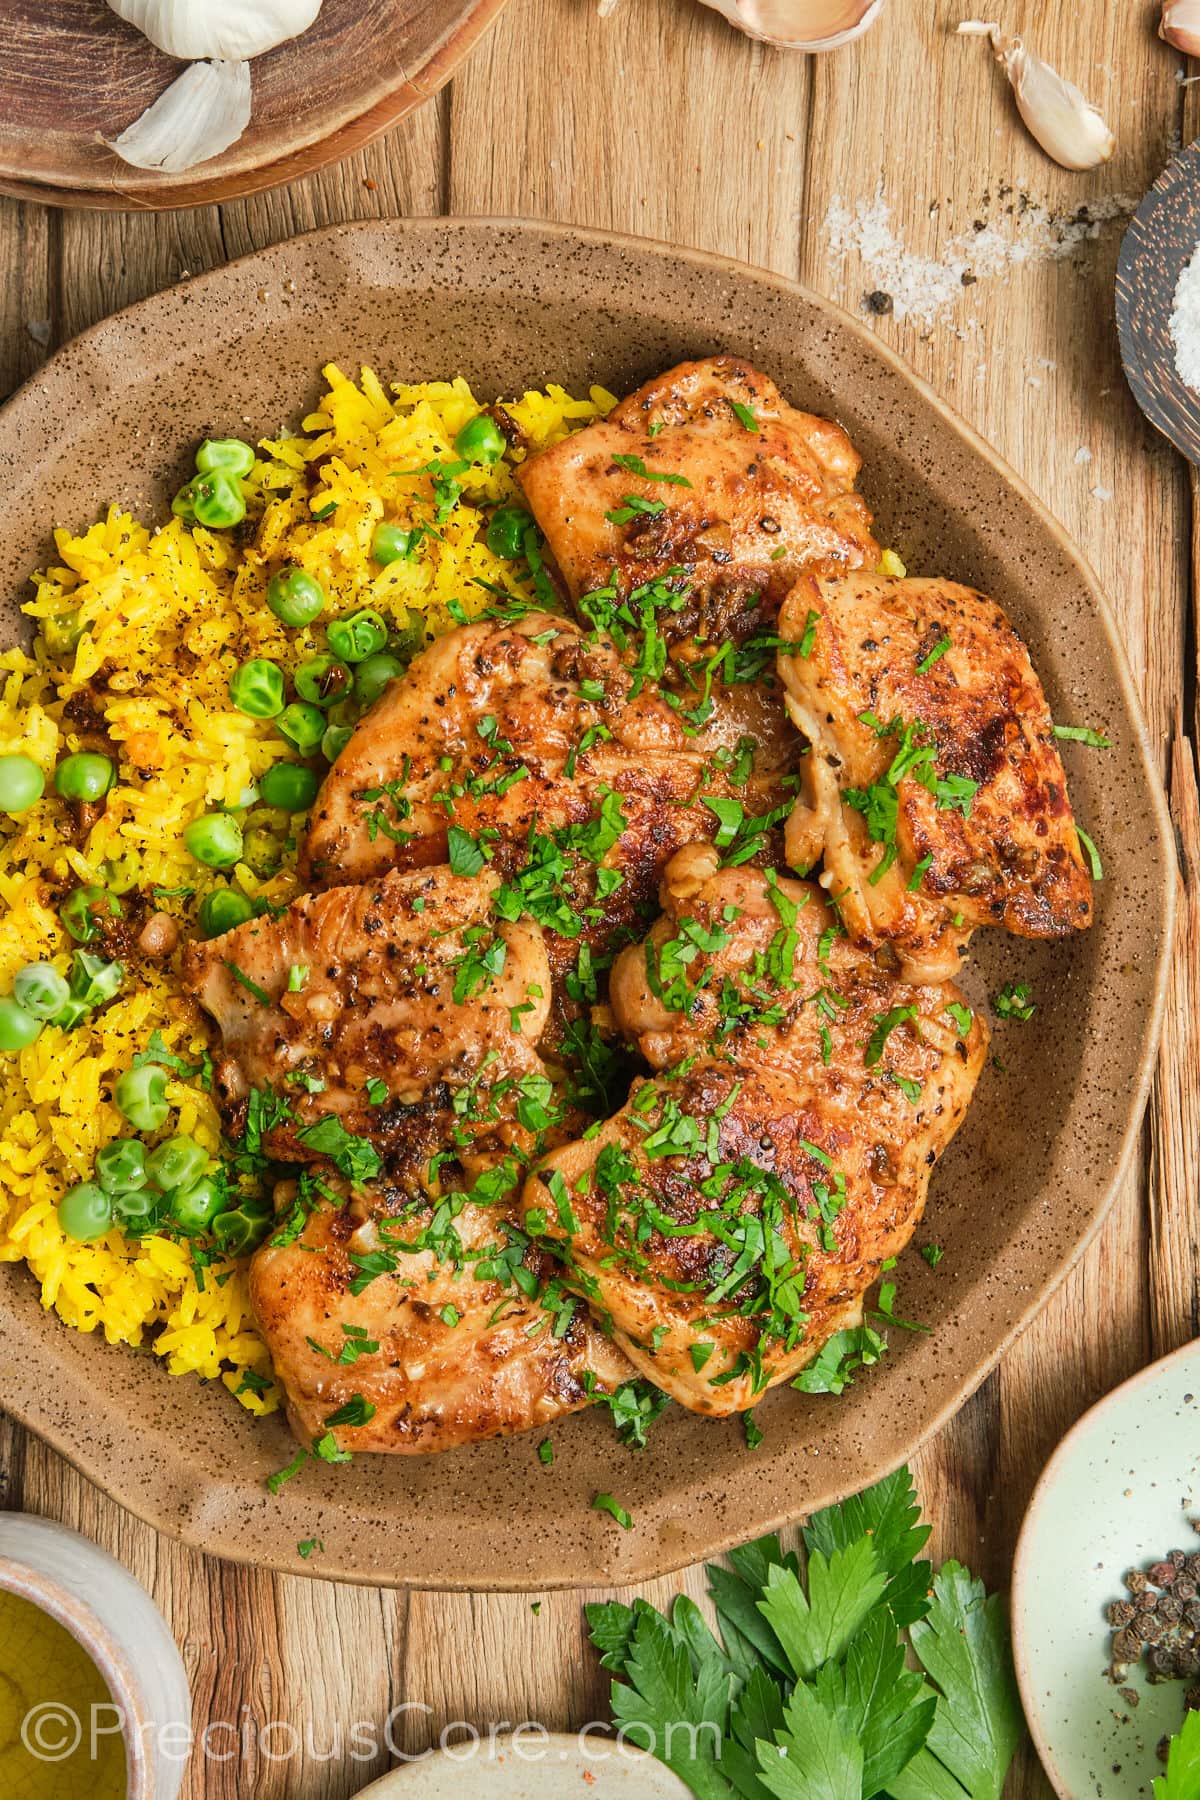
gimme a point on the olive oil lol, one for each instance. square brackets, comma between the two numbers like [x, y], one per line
[43, 1667]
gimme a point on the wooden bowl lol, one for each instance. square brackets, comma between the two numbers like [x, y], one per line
[1025, 1185]
[1159, 243]
[72, 73]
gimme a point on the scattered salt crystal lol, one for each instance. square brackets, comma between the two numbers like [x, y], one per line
[1185, 321]
[927, 288]
[1102, 493]
[1083, 454]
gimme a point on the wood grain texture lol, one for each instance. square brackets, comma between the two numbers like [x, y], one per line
[660, 120]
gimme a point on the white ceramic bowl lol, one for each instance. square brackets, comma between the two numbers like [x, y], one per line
[113, 1617]
[532, 1764]
[1119, 1492]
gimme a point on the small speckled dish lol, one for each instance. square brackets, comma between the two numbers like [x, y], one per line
[1120, 1491]
[532, 1765]
[115, 416]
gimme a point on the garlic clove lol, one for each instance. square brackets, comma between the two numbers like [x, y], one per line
[1180, 25]
[1068, 127]
[204, 110]
[220, 30]
[797, 24]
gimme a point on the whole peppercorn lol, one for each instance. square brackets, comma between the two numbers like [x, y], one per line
[1126, 1647]
[1192, 1567]
[1191, 1615]
[1120, 1612]
[1162, 1574]
[1152, 1629]
[1146, 1600]
[1185, 1587]
[1135, 1580]
[1169, 1608]
[1187, 1662]
[1162, 1662]
[1178, 1557]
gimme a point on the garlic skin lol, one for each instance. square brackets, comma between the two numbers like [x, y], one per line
[1180, 25]
[1068, 127]
[220, 30]
[204, 110]
[795, 24]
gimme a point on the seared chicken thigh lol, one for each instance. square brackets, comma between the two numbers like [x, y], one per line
[708, 475]
[933, 790]
[730, 1217]
[373, 1008]
[424, 1348]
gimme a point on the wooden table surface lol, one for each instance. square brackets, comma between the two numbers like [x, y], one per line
[661, 120]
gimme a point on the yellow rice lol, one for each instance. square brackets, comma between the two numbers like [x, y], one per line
[170, 613]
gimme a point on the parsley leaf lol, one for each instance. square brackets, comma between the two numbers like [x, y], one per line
[633, 508]
[606, 1503]
[1182, 1779]
[1015, 1001]
[744, 416]
[636, 466]
[465, 854]
[1083, 734]
[354, 1157]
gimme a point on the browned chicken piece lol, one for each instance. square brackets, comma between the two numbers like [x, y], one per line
[425, 1356]
[375, 1008]
[933, 790]
[730, 1218]
[707, 477]
[538, 747]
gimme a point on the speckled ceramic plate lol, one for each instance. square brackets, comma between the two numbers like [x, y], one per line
[1025, 1184]
[532, 1765]
[1120, 1492]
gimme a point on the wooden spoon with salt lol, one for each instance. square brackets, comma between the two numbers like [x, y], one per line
[1162, 238]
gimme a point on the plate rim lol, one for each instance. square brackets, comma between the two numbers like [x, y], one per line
[194, 1499]
[1021, 1573]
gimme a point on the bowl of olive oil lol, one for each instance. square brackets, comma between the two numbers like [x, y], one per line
[93, 1695]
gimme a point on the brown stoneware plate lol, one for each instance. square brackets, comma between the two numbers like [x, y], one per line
[1025, 1185]
[72, 74]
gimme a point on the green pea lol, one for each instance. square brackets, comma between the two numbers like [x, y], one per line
[335, 740]
[121, 874]
[22, 783]
[121, 1166]
[82, 911]
[230, 454]
[261, 851]
[301, 725]
[214, 839]
[391, 543]
[137, 1209]
[256, 688]
[323, 680]
[506, 531]
[358, 636]
[62, 633]
[480, 440]
[18, 1028]
[294, 597]
[177, 1163]
[223, 910]
[239, 1230]
[39, 989]
[290, 786]
[193, 1208]
[85, 1212]
[373, 675]
[141, 1097]
[93, 981]
[86, 775]
[214, 500]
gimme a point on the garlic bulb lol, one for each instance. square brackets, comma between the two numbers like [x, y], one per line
[223, 30]
[1180, 25]
[1068, 127]
[796, 24]
[204, 110]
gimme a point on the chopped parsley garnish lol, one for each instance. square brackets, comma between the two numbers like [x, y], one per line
[744, 416]
[306, 1546]
[1014, 1001]
[481, 961]
[251, 987]
[276, 1481]
[354, 1411]
[370, 1265]
[933, 1254]
[939, 650]
[1090, 851]
[808, 637]
[354, 1157]
[377, 1091]
[754, 1432]
[842, 1358]
[885, 1024]
[636, 466]
[297, 977]
[963, 1017]
[920, 870]
[1083, 734]
[633, 508]
[466, 855]
[545, 1453]
[880, 802]
[606, 1503]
